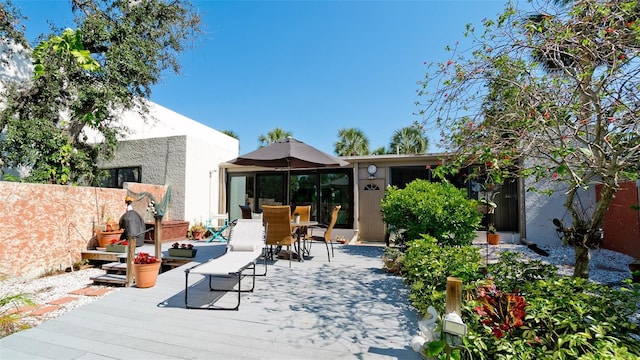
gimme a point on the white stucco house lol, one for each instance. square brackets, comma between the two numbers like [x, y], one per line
[178, 151]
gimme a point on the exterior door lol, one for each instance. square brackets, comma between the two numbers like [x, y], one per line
[371, 226]
[506, 214]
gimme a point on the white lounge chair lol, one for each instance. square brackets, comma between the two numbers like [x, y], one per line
[246, 245]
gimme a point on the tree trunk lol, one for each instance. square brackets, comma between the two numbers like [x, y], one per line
[583, 259]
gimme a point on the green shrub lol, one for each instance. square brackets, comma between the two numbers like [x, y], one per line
[511, 273]
[426, 266]
[437, 209]
[565, 317]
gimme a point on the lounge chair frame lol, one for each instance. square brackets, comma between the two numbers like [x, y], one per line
[239, 274]
[231, 264]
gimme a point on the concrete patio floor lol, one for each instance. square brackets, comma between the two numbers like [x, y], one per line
[344, 309]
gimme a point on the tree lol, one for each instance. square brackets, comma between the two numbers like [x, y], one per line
[83, 79]
[352, 142]
[551, 98]
[409, 140]
[273, 136]
[231, 133]
[379, 151]
[10, 18]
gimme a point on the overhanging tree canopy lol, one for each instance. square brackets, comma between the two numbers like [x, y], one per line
[553, 96]
[83, 78]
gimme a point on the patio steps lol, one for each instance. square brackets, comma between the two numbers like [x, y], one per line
[116, 274]
[112, 279]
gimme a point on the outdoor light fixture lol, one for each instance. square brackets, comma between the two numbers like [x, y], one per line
[371, 169]
[453, 325]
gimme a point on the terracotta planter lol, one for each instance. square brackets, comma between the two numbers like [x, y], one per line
[105, 237]
[146, 275]
[493, 239]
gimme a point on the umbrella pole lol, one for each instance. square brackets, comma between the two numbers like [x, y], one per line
[288, 181]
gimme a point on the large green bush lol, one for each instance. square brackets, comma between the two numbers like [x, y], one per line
[437, 209]
[565, 317]
[426, 266]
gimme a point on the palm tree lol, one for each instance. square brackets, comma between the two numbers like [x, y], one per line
[273, 136]
[408, 140]
[352, 142]
[231, 133]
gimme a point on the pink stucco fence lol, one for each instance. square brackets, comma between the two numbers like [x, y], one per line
[45, 227]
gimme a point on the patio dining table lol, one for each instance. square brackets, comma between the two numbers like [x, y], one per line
[300, 227]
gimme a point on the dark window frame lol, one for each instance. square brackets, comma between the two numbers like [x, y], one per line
[113, 180]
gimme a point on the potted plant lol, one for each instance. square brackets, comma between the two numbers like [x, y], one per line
[117, 246]
[146, 269]
[197, 231]
[107, 237]
[486, 206]
[392, 260]
[111, 225]
[182, 250]
[493, 238]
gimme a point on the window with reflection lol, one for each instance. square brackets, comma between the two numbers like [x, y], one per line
[116, 177]
[303, 190]
[320, 188]
[240, 192]
[336, 189]
[270, 189]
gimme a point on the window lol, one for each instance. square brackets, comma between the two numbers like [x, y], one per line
[320, 188]
[118, 176]
[371, 187]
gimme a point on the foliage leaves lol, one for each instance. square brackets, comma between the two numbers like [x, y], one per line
[566, 317]
[550, 94]
[437, 209]
[83, 79]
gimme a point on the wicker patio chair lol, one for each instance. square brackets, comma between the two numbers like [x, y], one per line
[277, 220]
[326, 237]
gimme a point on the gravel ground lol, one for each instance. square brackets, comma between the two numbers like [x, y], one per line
[49, 288]
[607, 267]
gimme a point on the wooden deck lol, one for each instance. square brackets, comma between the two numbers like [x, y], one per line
[346, 309]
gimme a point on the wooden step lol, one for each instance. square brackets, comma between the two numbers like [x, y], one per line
[115, 266]
[114, 279]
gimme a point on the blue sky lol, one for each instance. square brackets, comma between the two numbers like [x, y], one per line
[308, 67]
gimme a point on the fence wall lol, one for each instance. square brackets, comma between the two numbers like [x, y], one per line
[622, 223]
[46, 227]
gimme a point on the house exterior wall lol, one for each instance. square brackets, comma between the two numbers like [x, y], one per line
[202, 185]
[162, 162]
[541, 209]
[193, 161]
[175, 150]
